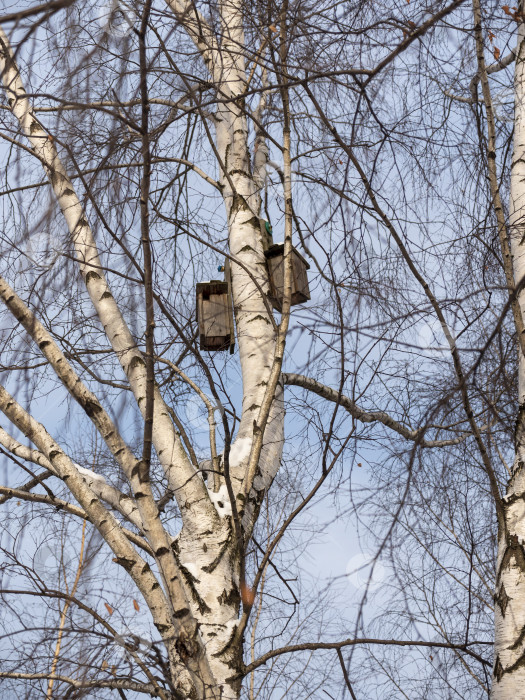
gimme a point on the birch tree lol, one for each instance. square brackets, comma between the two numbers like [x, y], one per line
[508, 665]
[144, 145]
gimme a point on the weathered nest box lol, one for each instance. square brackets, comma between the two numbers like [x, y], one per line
[215, 316]
[300, 290]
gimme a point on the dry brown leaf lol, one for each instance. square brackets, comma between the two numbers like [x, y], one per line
[497, 53]
[109, 608]
[104, 665]
[273, 28]
[136, 605]
[247, 594]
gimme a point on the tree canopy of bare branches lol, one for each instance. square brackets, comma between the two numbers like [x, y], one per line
[262, 350]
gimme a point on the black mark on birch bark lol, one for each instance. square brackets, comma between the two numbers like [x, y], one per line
[503, 599]
[498, 670]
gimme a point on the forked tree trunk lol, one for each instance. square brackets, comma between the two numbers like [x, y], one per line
[196, 610]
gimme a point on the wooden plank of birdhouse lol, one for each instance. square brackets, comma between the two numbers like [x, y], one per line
[300, 289]
[228, 280]
[276, 279]
[300, 266]
[213, 315]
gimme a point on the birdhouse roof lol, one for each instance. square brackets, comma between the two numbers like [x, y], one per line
[278, 249]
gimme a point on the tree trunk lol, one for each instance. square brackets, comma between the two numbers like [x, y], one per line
[200, 569]
[509, 645]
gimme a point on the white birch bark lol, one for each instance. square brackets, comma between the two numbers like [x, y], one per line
[118, 501]
[199, 515]
[146, 508]
[509, 646]
[191, 492]
[215, 572]
[110, 530]
[240, 184]
[256, 333]
[201, 568]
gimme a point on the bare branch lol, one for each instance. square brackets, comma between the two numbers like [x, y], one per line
[366, 416]
[314, 646]
[47, 7]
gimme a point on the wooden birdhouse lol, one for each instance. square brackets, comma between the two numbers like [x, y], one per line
[215, 316]
[300, 290]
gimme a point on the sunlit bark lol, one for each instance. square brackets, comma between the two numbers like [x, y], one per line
[509, 646]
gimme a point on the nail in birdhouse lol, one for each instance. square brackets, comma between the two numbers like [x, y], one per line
[300, 290]
[215, 316]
